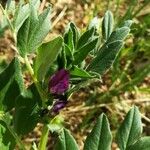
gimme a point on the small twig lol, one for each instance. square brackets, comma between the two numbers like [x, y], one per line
[59, 17]
[14, 48]
[84, 108]
[42, 6]
[53, 14]
[137, 101]
[145, 118]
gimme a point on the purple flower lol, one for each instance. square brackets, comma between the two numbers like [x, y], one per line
[59, 82]
[58, 105]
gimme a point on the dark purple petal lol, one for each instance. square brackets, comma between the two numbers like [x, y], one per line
[59, 82]
[59, 105]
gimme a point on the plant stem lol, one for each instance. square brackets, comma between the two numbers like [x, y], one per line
[30, 69]
[44, 138]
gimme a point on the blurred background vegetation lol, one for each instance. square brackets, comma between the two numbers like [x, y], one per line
[125, 84]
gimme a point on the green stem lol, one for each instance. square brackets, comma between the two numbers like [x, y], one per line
[30, 69]
[44, 138]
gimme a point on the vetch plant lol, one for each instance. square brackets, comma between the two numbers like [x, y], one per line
[59, 69]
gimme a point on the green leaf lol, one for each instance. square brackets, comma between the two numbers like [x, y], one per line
[94, 23]
[100, 137]
[35, 3]
[142, 144]
[71, 36]
[7, 141]
[75, 32]
[22, 13]
[66, 141]
[26, 111]
[56, 124]
[10, 6]
[107, 25]
[130, 130]
[85, 37]
[11, 85]
[46, 55]
[78, 72]
[105, 57]
[108, 52]
[118, 34]
[33, 31]
[61, 59]
[128, 23]
[81, 53]
[69, 39]
[69, 55]
[25, 120]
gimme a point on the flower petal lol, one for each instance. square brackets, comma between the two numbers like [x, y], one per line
[59, 82]
[59, 105]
